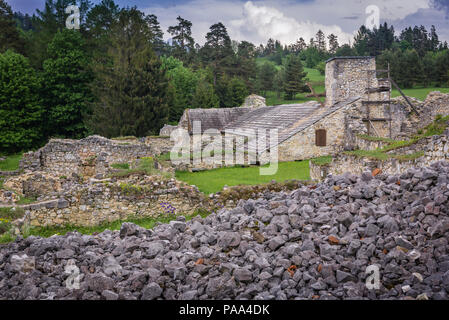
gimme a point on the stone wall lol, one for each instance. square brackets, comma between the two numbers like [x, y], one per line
[348, 77]
[159, 145]
[101, 201]
[87, 157]
[105, 201]
[341, 131]
[435, 148]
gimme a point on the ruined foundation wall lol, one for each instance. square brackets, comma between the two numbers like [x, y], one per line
[87, 157]
[435, 148]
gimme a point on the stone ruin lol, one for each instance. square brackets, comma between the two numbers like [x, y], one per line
[89, 157]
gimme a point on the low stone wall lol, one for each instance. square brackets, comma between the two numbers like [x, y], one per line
[104, 201]
[68, 202]
[9, 173]
[435, 148]
[159, 145]
[87, 157]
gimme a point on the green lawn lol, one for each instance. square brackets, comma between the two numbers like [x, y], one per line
[11, 163]
[212, 181]
[418, 93]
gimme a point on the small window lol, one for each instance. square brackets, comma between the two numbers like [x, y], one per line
[320, 138]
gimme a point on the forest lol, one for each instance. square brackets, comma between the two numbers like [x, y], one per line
[117, 76]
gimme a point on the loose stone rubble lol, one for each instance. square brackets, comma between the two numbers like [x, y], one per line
[313, 243]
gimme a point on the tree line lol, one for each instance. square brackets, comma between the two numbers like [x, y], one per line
[116, 76]
[416, 56]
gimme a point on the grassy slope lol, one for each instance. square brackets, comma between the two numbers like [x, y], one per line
[214, 180]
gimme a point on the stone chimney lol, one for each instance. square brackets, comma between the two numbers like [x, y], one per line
[348, 77]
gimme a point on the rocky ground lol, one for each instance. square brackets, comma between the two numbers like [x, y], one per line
[313, 243]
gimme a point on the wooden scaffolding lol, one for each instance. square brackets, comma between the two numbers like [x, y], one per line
[384, 84]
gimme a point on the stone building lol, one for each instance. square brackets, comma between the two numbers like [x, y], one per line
[88, 157]
[358, 102]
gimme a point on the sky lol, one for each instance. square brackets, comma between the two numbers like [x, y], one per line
[285, 20]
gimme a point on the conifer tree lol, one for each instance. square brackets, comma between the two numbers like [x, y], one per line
[9, 34]
[132, 90]
[294, 77]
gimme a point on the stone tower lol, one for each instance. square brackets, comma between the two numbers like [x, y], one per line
[348, 77]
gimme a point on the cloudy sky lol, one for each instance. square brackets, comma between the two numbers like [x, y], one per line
[285, 20]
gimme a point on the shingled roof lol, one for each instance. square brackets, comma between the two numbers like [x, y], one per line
[211, 118]
[287, 119]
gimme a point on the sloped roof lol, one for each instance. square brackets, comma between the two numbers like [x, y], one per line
[211, 118]
[287, 119]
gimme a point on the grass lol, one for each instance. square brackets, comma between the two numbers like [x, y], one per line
[146, 166]
[147, 223]
[212, 181]
[11, 163]
[322, 161]
[418, 93]
[11, 213]
[7, 215]
[372, 138]
[124, 138]
[437, 127]
[25, 200]
[122, 166]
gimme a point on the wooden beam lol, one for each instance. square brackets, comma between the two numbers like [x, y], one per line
[379, 89]
[376, 102]
[375, 119]
[405, 97]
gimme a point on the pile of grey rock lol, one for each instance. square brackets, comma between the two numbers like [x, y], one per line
[316, 242]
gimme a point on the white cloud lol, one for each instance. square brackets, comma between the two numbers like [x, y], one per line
[263, 22]
[285, 20]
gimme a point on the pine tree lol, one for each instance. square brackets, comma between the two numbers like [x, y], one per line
[9, 34]
[278, 82]
[156, 34]
[246, 60]
[434, 40]
[333, 43]
[183, 42]
[132, 90]
[294, 77]
[217, 51]
[98, 24]
[267, 72]
[320, 41]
